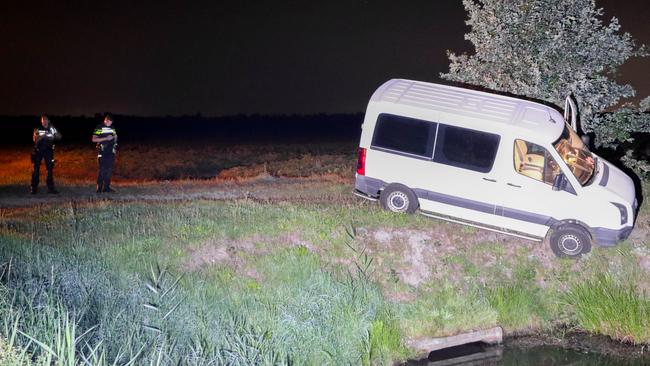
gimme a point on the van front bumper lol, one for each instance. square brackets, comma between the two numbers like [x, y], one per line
[609, 237]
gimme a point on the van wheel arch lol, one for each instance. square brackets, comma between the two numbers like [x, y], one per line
[559, 224]
[396, 197]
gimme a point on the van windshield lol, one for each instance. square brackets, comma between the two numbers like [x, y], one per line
[576, 155]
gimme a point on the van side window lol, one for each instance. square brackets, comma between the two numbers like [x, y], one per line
[535, 162]
[465, 148]
[403, 134]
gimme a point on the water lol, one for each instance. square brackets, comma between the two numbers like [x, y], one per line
[478, 354]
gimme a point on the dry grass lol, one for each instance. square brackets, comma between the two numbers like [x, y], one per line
[76, 164]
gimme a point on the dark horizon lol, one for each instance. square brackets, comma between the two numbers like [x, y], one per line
[248, 129]
[270, 58]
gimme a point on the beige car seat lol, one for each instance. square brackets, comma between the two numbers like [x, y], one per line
[530, 165]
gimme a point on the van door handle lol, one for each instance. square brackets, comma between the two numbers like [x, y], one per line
[513, 185]
[490, 180]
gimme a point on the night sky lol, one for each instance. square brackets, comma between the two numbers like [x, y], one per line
[274, 57]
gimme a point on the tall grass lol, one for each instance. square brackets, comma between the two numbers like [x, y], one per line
[301, 314]
[84, 269]
[519, 302]
[607, 306]
[518, 306]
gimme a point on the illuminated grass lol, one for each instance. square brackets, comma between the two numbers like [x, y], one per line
[271, 282]
[606, 306]
[178, 160]
[447, 311]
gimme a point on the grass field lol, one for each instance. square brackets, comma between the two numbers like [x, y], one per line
[182, 160]
[310, 275]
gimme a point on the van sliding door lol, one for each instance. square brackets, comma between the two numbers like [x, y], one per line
[460, 181]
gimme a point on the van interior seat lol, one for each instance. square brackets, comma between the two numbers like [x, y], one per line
[530, 165]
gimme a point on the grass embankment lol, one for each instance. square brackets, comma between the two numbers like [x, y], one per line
[246, 282]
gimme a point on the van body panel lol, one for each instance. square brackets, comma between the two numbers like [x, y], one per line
[498, 197]
[493, 108]
[617, 182]
[464, 197]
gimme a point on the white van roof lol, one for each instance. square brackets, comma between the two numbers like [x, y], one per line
[529, 118]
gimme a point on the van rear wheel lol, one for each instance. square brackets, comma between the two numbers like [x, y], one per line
[570, 241]
[398, 198]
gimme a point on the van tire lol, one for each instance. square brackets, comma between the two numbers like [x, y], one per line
[398, 198]
[570, 241]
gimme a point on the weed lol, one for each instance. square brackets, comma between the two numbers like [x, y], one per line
[518, 306]
[607, 306]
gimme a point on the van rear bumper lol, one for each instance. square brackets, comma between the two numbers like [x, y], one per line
[370, 187]
[609, 237]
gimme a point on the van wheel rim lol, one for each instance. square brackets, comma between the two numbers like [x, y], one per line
[570, 244]
[398, 202]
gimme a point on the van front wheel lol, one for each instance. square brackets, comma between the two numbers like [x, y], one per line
[570, 241]
[398, 198]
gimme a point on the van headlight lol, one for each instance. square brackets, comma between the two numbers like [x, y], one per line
[622, 210]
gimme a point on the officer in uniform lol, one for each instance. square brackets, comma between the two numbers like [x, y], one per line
[106, 139]
[44, 137]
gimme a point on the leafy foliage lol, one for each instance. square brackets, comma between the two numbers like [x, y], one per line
[546, 49]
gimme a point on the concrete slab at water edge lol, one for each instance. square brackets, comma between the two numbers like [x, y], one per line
[425, 345]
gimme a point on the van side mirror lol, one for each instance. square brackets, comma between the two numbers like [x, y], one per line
[585, 140]
[559, 183]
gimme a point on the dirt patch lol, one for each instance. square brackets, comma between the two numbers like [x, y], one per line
[418, 251]
[236, 253]
[208, 255]
[291, 240]
[447, 252]
[400, 296]
[412, 252]
[217, 252]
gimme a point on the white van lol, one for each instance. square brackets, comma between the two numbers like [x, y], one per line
[490, 161]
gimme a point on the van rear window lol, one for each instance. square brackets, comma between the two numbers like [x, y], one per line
[465, 148]
[403, 134]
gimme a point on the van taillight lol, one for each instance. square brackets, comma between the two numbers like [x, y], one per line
[361, 161]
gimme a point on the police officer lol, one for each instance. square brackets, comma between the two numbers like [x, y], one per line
[105, 137]
[44, 137]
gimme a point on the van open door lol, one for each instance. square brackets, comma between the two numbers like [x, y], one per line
[570, 113]
[571, 116]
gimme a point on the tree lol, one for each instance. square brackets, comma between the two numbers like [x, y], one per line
[546, 49]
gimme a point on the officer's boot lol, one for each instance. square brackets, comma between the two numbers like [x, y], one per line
[33, 188]
[35, 177]
[50, 185]
[107, 186]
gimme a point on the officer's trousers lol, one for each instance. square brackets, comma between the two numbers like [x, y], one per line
[47, 155]
[106, 161]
